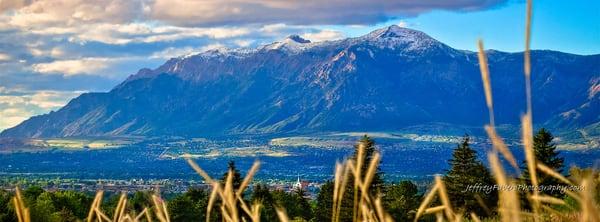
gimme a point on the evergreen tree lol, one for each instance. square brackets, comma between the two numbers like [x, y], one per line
[237, 177]
[302, 208]
[325, 197]
[370, 150]
[236, 182]
[401, 200]
[31, 194]
[189, 206]
[6, 210]
[545, 152]
[181, 208]
[262, 195]
[110, 204]
[71, 203]
[140, 200]
[466, 170]
[323, 208]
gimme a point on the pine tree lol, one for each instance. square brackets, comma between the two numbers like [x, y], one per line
[370, 150]
[6, 211]
[323, 209]
[302, 205]
[141, 200]
[466, 170]
[237, 177]
[262, 195]
[236, 183]
[545, 153]
[348, 208]
[401, 200]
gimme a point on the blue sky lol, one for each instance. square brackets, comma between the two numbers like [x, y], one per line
[53, 50]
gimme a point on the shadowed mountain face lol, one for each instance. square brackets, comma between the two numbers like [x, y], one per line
[389, 79]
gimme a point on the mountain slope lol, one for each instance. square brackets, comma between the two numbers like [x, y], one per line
[386, 80]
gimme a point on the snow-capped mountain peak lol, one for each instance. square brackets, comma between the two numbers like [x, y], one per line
[395, 36]
[296, 39]
[292, 43]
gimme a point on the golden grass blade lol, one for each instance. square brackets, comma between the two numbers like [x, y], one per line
[122, 213]
[426, 201]
[365, 212]
[589, 207]
[435, 209]
[160, 209]
[357, 179]
[228, 197]
[527, 57]
[21, 211]
[371, 171]
[95, 203]
[256, 212]
[226, 215]
[120, 205]
[126, 218]
[499, 145]
[341, 180]
[212, 199]
[527, 133]
[148, 217]
[439, 217]
[101, 216]
[550, 172]
[282, 215]
[381, 214]
[166, 212]
[548, 199]
[245, 207]
[17, 204]
[561, 216]
[199, 170]
[485, 76]
[444, 197]
[508, 199]
[248, 177]
[574, 195]
[474, 217]
[141, 215]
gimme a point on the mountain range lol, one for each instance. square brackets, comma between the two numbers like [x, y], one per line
[392, 78]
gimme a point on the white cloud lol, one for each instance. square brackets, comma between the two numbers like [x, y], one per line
[323, 35]
[172, 33]
[206, 13]
[11, 4]
[216, 12]
[43, 13]
[243, 42]
[55, 52]
[16, 108]
[272, 28]
[73, 67]
[5, 57]
[138, 33]
[12, 117]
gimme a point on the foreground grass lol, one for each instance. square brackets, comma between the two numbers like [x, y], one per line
[582, 206]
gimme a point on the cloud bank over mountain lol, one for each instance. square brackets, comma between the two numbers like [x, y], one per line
[214, 12]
